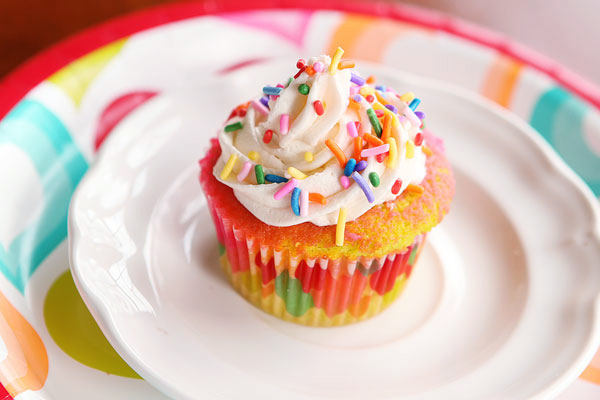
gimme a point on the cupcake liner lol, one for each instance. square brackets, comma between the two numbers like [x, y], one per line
[311, 291]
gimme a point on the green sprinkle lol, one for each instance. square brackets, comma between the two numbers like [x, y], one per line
[260, 175]
[374, 121]
[304, 88]
[290, 80]
[233, 127]
[374, 178]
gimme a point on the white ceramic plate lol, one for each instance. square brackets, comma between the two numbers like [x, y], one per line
[503, 304]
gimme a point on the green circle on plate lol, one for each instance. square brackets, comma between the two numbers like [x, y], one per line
[75, 331]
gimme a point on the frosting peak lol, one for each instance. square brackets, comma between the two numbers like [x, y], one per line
[325, 141]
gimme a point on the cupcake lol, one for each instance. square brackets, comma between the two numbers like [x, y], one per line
[322, 191]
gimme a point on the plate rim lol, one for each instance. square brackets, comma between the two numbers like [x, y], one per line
[103, 316]
[17, 83]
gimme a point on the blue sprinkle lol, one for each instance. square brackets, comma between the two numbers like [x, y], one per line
[392, 108]
[275, 178]
[349, 168]
[381, 88]
[296, 201]
[271, 90]
[265, 101]
[414, 103]
[360, 165]
[357, 98]
[364, 186]
[359, 81]
[420, 114]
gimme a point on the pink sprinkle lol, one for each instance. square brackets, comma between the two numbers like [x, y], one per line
[284, 124]
[245, 171]
[318, 66]
[354, 90]
[304, 203]
[273, 97]
[345, 181]
[412, 117]
[280, 85]
[285, 189]
[258, 106]
[373, 151]
[351, 128]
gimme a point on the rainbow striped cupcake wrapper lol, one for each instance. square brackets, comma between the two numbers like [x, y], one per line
[311, 291]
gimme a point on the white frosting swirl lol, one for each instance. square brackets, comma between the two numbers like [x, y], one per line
[307, 133]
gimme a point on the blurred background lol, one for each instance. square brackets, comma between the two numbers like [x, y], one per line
[567, 31]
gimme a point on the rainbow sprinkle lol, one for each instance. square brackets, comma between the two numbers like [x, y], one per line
[296, 173]
[335, 59]
[260, 175]
[351, 129]
[254, 156]
[374, 121]
[373, 151]
[285, 189]
[228, 166]
[245, 171]
[275, 178]
[410, 149]
[295, 201]
[272, 91]
[390, 162]
[364, 186]
[233, 127]
[308, 156]
[284, 124]
[259, 107]
[349, 168]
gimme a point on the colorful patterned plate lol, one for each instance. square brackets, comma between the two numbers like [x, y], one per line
[71, 97]
[146, 264]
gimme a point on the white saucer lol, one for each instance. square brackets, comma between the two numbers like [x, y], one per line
[503, 304]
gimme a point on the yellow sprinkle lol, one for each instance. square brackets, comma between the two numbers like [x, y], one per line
[296, 173]
[379, 106]
[308, 156]
[426, 150]
[390, 161]
[254, 156]
[366, 90]
[410, 149]
[228, 166]
[335, 60]
[341, 227]
[407, 97]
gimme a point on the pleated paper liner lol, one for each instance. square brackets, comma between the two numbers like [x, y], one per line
[311, 291]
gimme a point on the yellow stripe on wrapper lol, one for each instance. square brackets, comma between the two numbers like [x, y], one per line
[410, 149]
[390, 161]
[335, 60]
[340, 229]
[295, 173]
[228, 167]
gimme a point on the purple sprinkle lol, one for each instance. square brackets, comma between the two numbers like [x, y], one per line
[364, 186]
[357, 79]
[264, 101]
[420, 114]
[357, 98]
[392, 108]
[360, 165]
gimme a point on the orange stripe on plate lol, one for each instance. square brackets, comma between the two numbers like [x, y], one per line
[368, 38]
[501, 79]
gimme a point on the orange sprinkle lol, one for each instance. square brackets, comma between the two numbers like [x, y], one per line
[309, 70]
[414, 189]
[371, 79]
[427, 150]
[387, 127]
[337, 152]
[358, 145]
[374, 140]
[354, 105]
[380, 98]
[317, 198]
[346, 64]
